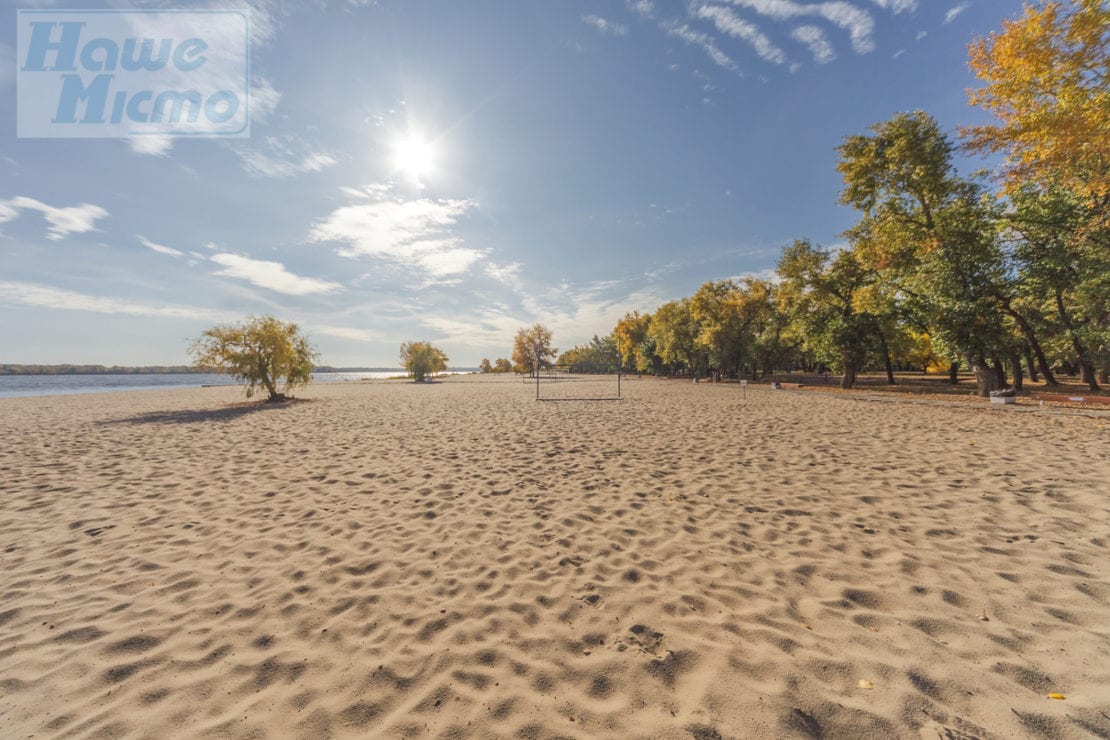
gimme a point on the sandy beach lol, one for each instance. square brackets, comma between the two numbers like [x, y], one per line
[458, 560]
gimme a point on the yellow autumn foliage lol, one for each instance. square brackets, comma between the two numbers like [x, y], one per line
[1047, 81]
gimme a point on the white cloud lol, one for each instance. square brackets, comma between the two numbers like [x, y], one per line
[645, 8]
[486, 327]
[697, 38]
[284, 156]
[418, 233]
[271, 275]
[508, 274]
[857, 21]
[818, 44]
[954, 11]
[32, 294]
[604, 26]
[450, 261]
[161, 248]
[728, 22]
[157, 146]
[920, 35]
[575, 313]
[897, 6]
[62, 221]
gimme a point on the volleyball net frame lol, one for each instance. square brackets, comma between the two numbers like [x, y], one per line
[584, 377]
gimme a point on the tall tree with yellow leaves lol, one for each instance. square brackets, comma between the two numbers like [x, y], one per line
[1046, 79]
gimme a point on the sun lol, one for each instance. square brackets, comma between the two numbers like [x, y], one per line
[413, 156]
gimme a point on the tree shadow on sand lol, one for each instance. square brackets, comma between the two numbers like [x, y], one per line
[194, 416]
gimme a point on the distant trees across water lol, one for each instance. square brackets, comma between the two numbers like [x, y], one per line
[101, 370]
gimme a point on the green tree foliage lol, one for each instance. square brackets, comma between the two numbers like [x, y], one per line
[532, 349]
[262, 352]
[1063, 272]
[421, 359]
[931, 234]
[599, 356]
[820, 292]
[502, 365]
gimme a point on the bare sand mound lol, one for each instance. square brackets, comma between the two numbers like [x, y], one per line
[457, 560]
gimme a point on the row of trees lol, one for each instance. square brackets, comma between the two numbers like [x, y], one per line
[500, 365]
[941, 269]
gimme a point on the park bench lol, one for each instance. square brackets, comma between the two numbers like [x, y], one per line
[1066, 398]
[776, 385]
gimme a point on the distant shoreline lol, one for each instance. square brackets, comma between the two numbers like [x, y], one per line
[67, 369]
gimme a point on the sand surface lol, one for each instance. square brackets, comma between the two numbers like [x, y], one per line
[457, 560]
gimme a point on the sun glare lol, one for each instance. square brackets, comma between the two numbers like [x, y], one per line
[413, 156]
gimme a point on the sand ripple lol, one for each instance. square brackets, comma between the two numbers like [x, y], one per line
[457, 560]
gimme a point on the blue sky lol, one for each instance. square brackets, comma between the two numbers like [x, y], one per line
[451, 171]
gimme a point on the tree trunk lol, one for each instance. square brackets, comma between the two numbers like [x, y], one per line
[1087, 374]
[1086, 366]
[1029, 362]
[1015, 363]
[886, 358]
[954, 372]
[985, 378]
[1034, 344]
[999, 370]
[849, 378]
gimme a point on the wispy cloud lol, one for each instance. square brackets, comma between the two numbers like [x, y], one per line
[271, 275]
[508, 274]
[418, 233]
[604, 26]
[897, 6]
[62, 222]
[574, 313]
[45, 296]
[644, 8]
[264, 99]
[343, 332]
[814, 38]
[160, 248]
[155, 145]
[697, 38]
[729, 23]
[955, 11]
[855, 20]
[284, 156]
[484, 327]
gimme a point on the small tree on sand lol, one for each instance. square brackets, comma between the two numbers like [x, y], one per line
[421, 359]
[532, 346]
[262, 352]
